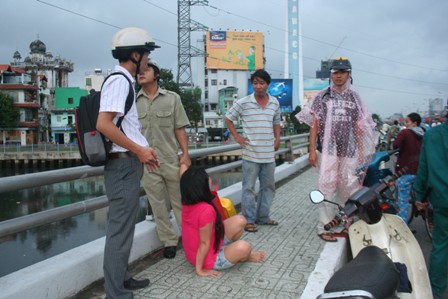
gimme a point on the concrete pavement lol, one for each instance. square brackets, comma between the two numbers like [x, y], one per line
[293, 252]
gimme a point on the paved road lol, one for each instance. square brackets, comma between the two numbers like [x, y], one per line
[293, 249]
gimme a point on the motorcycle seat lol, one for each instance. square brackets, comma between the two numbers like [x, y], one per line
[371, 271]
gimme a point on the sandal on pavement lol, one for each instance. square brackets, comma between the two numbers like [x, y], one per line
[342, 234]
[328, 237]
[270, 222]
[251, 228]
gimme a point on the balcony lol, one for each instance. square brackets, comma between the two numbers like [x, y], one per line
[29, 124]
[28, 104]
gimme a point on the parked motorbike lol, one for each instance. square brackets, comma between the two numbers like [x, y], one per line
[372, 237]
[376, 171]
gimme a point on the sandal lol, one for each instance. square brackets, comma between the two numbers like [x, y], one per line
[251, 228]
[328, 237]
[270, 222]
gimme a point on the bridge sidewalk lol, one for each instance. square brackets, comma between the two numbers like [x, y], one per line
[293, 251]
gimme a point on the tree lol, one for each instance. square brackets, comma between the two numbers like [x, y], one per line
[9, 114]
[377, 119]
[167, 82]
[191, 99]
[298, 127]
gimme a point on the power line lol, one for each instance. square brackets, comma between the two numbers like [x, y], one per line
[281, 51]
[330, 44]
[78, 14]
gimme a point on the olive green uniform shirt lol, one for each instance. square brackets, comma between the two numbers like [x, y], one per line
[159, 119]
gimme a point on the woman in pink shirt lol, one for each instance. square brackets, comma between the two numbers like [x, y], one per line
[209, 243]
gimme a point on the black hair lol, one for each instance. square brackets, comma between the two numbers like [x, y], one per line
[395, 122]
[415, 117]
[194, 188]
[262, 74]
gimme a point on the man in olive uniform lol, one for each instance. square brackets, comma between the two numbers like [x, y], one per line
[163, 121]
[433, 174]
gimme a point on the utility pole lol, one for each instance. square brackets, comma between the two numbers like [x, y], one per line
[184, 49]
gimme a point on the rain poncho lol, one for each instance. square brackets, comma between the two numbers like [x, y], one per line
[346, 139]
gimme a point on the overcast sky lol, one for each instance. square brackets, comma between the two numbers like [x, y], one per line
[398, 48]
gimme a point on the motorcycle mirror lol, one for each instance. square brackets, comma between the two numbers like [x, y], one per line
[316, 196]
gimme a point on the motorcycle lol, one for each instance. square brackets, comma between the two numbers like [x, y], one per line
[377, 171]
[373, 237]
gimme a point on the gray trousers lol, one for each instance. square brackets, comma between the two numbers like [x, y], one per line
[122, 182]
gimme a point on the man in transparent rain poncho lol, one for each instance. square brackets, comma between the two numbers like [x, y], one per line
[342, 138]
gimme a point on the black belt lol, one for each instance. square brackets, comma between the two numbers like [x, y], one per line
[121, 155]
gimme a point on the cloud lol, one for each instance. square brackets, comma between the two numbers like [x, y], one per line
[398, 48]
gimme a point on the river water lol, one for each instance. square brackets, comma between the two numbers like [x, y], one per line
[34, 245]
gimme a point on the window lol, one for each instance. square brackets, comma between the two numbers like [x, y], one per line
[214, 82]
[214, 71]
[206, 94]
[213, 107]
[70, 120]
[89, 81]
[206, 82]
[70, 101]
[58, 118]
[224, 82]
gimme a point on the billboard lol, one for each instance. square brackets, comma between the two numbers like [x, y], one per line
[234, 50]
[281, 89]
[312, 88]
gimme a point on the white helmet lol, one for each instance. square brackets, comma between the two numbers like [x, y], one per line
[154, 64]
[131, 39]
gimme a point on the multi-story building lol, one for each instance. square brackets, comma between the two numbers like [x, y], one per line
[48, 73]
[231, 57]
[63, 130]
[21, 87]
[94, 80]
[43, 64]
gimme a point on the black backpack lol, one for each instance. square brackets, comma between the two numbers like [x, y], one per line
[94, 146]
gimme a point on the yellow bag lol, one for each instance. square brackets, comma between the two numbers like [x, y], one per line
[228, 207]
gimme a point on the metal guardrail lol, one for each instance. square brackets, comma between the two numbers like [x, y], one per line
[8, 184]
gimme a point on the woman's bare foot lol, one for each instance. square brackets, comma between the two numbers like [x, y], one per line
[257, 256]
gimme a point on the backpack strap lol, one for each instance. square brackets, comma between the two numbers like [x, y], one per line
[129, 99]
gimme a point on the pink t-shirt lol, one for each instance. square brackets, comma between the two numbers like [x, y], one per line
[193, 218]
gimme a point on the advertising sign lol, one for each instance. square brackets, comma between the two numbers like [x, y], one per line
[312, 87]
[234, 50]
[281, 89]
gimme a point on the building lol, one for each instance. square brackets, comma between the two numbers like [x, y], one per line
[94, 80]
[63, 129]
[43, 64]
[21, 87]
[47, 73]
[231, 57]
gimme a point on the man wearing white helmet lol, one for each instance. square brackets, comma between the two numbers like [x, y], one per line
[163, 119]
[130, 151]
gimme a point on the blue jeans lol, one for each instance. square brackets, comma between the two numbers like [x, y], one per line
[256, 207]
[221, 261]
[404, 184]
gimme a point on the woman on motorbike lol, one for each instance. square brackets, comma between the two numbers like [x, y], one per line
[409, 141]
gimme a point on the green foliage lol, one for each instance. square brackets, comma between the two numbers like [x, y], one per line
[9, 114]
[377, 119]
[298, 127]
[191, 99]
[166, 81]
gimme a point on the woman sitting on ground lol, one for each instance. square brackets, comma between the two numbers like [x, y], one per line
[209, 243]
